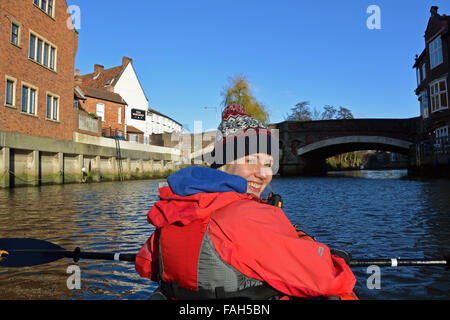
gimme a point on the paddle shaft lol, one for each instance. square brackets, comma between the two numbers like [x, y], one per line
[77, 254]
[101, 256]
[397, 262]
[29, 252]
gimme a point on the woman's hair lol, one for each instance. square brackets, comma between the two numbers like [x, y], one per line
[224, 168]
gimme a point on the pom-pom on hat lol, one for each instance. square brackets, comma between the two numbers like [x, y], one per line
[239, 135]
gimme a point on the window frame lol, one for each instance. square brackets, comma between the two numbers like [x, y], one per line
[30, 88]
[424, 112]
[39, 52]
[14, 89]
[19, 32]
[435, 97]
[54, 98]
[434, 51]
[48, 4]
[32, 45]
[104, 110]
[424, 71]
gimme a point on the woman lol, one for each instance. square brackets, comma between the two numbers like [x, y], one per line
[216, 238]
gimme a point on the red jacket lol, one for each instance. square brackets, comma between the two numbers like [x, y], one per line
[255, 238]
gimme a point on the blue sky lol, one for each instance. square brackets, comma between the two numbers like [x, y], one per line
[290, 51]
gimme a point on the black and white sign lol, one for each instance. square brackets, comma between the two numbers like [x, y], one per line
[137, 114]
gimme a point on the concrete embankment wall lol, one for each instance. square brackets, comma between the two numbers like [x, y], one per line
[33, 161]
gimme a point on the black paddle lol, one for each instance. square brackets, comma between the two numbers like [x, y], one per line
[32, 252]
[399, 262]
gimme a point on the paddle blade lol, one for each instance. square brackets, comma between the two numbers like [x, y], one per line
[28, 252]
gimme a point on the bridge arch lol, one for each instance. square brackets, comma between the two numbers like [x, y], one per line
[352, 143]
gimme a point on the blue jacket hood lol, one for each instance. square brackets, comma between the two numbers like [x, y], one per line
[193, 180]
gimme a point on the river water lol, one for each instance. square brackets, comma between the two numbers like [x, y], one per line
[372, 214]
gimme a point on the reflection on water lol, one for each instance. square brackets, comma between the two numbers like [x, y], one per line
[370, 214]
[370, 174]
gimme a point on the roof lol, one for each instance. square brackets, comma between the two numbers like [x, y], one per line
[419, 58]
[102, 95]
[78, 93]
[163, 115]
[99, 80]
[133, 130]
[102, 78]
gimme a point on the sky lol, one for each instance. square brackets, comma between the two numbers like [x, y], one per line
[322, 51]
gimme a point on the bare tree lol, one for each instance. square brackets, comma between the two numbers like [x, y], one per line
[301, 112]
[344, 113]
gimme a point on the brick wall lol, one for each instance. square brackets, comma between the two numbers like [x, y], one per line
[14, 62]
[111, 113]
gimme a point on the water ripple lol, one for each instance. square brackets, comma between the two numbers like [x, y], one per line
[371, 216]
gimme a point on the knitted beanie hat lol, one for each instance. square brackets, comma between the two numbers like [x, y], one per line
[239, 135]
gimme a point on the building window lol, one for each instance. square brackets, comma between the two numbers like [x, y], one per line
[101, 111]
[42, 52]
[424, 104]
[46, 49]
[442, 132]
[29, 99]
[50, 8]
[418, 76]
[46, 6]
[119, 120]
[10, 92]
[438, 95]
[435, 48]
[52, 107]
[15, 33]
[52, 58]
[39, 51]
[133, 137]
[32, 46]
[424, 73]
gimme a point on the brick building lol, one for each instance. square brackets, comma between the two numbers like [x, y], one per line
[432, 70]
[140, 121]
[109, 106]
[37, 55]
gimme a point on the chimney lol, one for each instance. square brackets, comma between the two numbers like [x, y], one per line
[125, 61]
[78, 80]
[434, 10]
[98, 68]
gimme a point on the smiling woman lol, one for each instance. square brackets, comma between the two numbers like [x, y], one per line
[256, 169]
[216, 238]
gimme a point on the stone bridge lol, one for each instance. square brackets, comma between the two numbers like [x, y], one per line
[304, 146]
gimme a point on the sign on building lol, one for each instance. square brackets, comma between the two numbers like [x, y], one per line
[137, 114]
